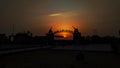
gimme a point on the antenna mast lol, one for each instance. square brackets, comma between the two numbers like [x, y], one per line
[13, 27]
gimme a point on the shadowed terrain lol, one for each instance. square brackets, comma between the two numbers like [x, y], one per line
[49, 58]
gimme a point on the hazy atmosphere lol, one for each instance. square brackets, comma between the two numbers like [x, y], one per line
[100, 16]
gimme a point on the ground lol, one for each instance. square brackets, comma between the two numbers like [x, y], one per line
[59, 58]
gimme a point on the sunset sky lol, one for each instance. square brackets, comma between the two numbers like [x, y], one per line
[37, 16]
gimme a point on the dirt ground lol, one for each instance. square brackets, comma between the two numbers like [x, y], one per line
[49, 58]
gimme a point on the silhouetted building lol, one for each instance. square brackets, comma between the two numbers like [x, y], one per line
[3, 39]
[76, 34]
[50, 35]
[96, 39]
[39, 40]
[23, 38]
[11, 38]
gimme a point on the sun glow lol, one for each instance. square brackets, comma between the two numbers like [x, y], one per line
[63, 21]
[64, 34]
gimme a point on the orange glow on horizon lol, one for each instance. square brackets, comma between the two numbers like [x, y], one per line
[59, 21]
[64, 34]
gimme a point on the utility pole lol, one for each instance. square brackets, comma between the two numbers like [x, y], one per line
[13, 27]
[12, 36]
[94, 31]
[119, 32]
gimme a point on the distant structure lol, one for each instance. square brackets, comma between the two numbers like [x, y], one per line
[3, 39]
[11, 37]
[76, 34]
[23, 38]
[50, 35]
[119, 32]
[53, 38]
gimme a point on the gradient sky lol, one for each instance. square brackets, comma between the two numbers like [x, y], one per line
[99, 16]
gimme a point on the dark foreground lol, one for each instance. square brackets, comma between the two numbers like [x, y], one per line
[51, 58]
